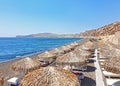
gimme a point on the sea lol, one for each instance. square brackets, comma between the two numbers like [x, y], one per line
[11, 48]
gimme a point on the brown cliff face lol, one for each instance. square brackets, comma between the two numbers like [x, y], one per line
[103, 31]
[115, 39]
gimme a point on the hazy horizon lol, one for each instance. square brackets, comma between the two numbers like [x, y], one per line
[23, 17]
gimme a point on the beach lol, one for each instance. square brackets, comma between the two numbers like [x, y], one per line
[7, 73]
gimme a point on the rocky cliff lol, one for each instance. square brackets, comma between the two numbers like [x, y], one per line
[106, 30]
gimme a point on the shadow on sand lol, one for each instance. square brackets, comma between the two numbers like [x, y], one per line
[91, 61]
[88, 82]
[90, 69]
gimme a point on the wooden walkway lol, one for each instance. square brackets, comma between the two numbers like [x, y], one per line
[98, 72]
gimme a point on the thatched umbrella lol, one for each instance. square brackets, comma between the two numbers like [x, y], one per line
[113, 65]
[65, 49]
[74, 44]
[47, 56]
[57, 52]
[109, 51]
[88, 46]
[70, 59]
[83, 53]
[25, 65]
[70, 46]
[50, 76]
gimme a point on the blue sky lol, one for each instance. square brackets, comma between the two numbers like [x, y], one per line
[19, 17]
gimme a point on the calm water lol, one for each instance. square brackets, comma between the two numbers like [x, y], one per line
[12, 47]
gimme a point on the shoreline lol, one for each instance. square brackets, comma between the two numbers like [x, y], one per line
[20, 57]
[37, 53]
[5, 67]
[34, 53]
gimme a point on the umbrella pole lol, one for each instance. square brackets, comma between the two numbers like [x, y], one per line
[22, 73]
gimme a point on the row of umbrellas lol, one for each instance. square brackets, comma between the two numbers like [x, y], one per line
[109, 51]
[51, 76]
[64, 49]
[47, 76]
[28, 64]
[112, 64]
[58, 51]
[111, 55]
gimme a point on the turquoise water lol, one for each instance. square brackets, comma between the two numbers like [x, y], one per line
[11, 48]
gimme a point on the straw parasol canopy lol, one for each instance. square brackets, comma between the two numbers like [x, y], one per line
[88, 46]
[46, 55]
[82, 53]
[113, 65]
[57, 51]
[65, 49]
[50, 76]
[74, 44]
[71, 59]
[72, 47]
[109, 51]
[25, 65]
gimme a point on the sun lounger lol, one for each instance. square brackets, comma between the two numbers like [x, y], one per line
[101, 63]
[111, 81]
[110, 74]
[80, 68]
[13, 81]
[67, 67]
[102, 60]
[102, 69]
[116, 83]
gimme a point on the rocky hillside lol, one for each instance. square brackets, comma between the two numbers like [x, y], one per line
[106, 30]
